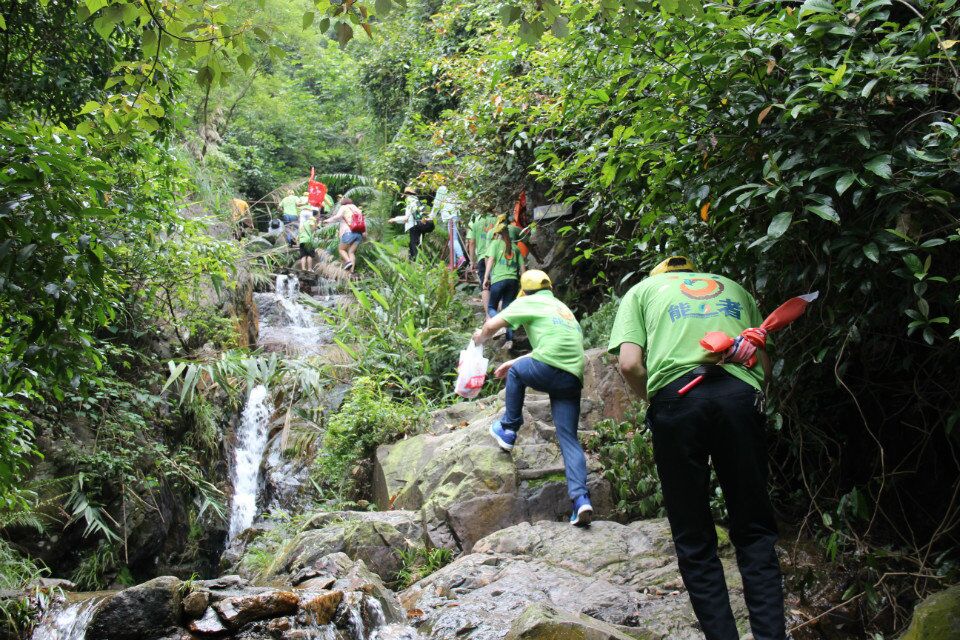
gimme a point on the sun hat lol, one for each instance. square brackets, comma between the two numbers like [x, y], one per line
[673, 263]
[532, 281]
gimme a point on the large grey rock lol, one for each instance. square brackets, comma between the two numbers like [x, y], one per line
[937, 617]
[149, 610]
[542, 622]
[467, 487]
[375, 537]
[623, 575]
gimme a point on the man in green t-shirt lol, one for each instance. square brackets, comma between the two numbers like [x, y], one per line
[477, 242]
[657, 335]
[555, 366]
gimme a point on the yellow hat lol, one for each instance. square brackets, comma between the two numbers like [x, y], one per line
[498, 228]
[673, 263]
[532, 281]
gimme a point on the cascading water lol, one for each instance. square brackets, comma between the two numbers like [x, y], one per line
[286, 324]
[66, 621]
[247, 455]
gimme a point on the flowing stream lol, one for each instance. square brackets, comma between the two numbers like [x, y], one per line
[252, 435]
[66, 620]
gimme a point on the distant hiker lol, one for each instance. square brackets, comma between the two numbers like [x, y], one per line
[555, 367]
[307, 237]
[502, 273]
[414, 221]
[288, 207]
[353, 227]
[657, 335]
[242, 220]
[477, 242]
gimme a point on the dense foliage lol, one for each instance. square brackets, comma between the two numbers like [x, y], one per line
[792, 146]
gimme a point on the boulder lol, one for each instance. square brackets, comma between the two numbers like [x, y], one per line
[209, 625]
[621, 575]
[467, 487]
[937, 617]
[542, 622]
[149, 610]
[322, 606]
[237, 611]
[375, 537]
[195, 604]
[605, 392]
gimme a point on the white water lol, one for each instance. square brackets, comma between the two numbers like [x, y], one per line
[67, 621]
[286, 324]
[247, 455]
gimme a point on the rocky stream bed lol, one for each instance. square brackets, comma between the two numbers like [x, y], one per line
[520, 571]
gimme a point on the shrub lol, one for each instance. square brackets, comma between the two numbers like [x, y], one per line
[419, 562]
[626, 453]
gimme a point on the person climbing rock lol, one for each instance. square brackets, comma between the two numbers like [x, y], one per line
[348, 215]
[656, 334]
[306, 237]
[477, 241]
[288, 207]
[502, 273]
[414, 221]
[555, 366]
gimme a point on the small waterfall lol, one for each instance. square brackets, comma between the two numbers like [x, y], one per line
[66, 621]
[247, 455]
[286, 324]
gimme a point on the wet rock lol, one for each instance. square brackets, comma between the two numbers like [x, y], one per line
[622, 575]
[468, 488]
[321, 606]
[371, 536]
[542, 622]
[237, 611]
[937, 617]
[195, 603]
[209, 625]
[149, 610]
[354, 576]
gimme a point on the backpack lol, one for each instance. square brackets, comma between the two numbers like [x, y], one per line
[357, 222]
[316, 191]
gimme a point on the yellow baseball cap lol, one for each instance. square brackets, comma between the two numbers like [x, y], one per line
[532, 281]
[673, 263]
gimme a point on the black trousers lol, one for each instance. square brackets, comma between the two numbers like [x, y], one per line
[718, 421]
[416, 233]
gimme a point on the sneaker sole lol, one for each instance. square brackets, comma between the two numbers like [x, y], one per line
[506, 446]
[584, 517]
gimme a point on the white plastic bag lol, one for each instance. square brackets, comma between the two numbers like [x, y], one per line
[471, 371]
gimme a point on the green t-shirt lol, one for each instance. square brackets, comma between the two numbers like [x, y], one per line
[555, 334]
[504, 268]
[668, 314]
[305, 237]
[478, 231]
[289, 205]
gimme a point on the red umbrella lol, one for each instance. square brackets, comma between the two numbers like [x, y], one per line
[743, 348]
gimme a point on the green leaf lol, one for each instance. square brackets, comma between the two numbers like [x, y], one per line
[825, 211]
[844, 182]
[560, 27]
[382, 7]
[245, 61]
[868, 88]
[816, 6]
[308, 19]
[344, 33]
[880, 165]
[780, 224]
[872, 252]
[3, 23]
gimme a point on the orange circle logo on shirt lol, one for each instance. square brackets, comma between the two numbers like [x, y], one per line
[701, 288]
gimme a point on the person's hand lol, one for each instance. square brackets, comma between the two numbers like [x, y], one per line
[476, 336]
[486, 285]
[502, 371]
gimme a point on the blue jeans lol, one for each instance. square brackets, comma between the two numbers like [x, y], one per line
[564, 389]
[506, 292]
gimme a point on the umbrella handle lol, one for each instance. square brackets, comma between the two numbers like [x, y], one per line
[690, 385]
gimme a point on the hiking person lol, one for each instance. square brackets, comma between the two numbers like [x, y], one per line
[351, 232]
[288, 207]
[555, 367]
[477, 242]
[502, 274]
[414, 221]
[657, 335]
[307, 239]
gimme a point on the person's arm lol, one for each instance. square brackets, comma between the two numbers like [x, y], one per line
[335, 217]
[490, 327]
[472, 250]
[631, 366]
[486, 272]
